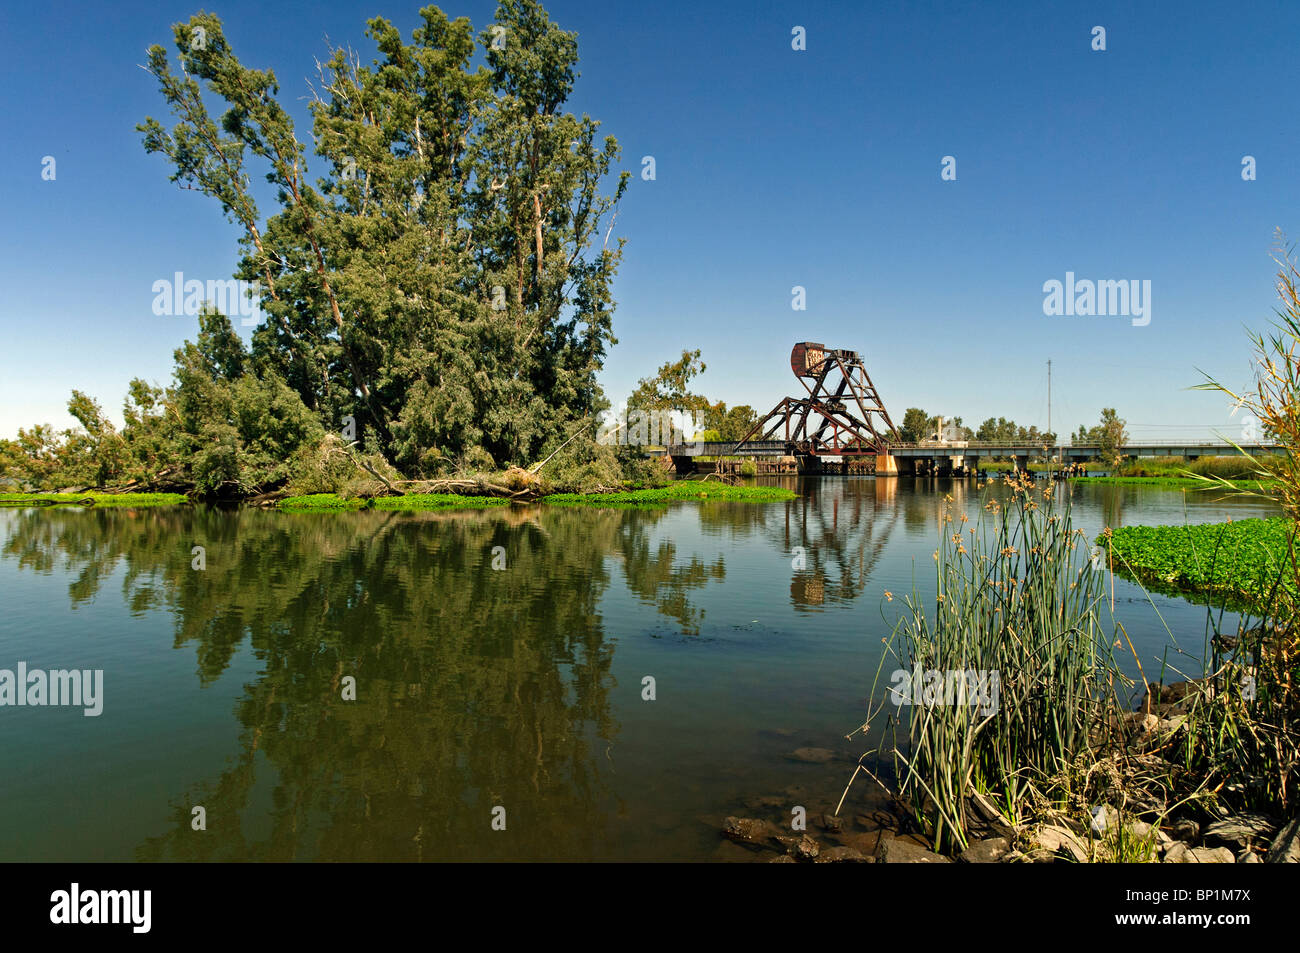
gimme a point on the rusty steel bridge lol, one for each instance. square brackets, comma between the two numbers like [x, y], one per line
[841, 415]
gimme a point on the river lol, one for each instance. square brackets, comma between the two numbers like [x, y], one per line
[513, 698]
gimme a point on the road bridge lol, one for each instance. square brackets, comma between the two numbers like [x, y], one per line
[965, 456]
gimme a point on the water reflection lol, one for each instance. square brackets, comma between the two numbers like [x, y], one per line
[479, 688]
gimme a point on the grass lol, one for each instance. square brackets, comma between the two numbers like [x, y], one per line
[1018, 598]
[1186, 482]
[332, 502]
[682, 490]
[100, 500]
[1228, 468]
[1244, 562]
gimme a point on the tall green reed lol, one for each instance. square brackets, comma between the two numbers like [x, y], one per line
[1020, 598]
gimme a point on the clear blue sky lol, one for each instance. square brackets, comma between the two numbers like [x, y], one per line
[775, 168]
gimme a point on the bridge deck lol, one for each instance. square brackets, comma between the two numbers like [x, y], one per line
[778, 448]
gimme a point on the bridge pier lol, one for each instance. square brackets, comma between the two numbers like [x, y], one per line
[886, 465]
[1021, 463]
[808, 463]
[683, 464]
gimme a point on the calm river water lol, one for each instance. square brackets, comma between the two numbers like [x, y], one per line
[519, 688]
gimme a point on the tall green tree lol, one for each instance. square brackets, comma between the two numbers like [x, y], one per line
[1112, 437]
[447, 280]
[916, 425]
[669, 388]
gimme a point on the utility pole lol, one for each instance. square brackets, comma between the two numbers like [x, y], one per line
[1049, 396]
[1052, 456]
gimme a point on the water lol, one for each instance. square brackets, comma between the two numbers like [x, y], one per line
[476, 688]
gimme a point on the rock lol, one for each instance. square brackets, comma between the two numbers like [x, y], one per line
[1142, 722]
[990, 819]
[1248, 856]
[781, 859]
[892, 850]
[1186, 830]
[1103, 818]
[1242, 829]
[747, 830]
[1167, 726]
[829, 822]
[987, 851]
[843, 855]
[863, 843]
[802, 847]
[1054, 839]
[1226, 642]
[812, 755]
[1213, 855]
[1180, 853]
[1285, 848]
[764, 803]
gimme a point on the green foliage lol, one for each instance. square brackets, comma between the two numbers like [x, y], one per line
[1182, 483]
[447, 280]
[669, 389]
[411, 501]
[1001, 430]
[1110, 435]
[916, 425]
[1229, 468]
[97, 500]
[1017, 596]
[730, 424]
[1246, 562]
[228, 426]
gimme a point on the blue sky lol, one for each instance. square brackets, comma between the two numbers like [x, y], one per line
[775, 168]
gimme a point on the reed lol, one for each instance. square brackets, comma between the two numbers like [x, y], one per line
[1020, 595]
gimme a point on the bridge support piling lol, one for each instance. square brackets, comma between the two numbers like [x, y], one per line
[886, 465]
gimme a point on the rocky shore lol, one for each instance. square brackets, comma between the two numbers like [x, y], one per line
[1149, 830]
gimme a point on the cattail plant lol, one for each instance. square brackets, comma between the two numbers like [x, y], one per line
[1019, 603]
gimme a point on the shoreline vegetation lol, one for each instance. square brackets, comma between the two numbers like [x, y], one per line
[96, 498]
[680, 491]
[1245, 562]
[1190, 757]
[1183, 482]
[1193, 759]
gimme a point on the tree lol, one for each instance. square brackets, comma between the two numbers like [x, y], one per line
[669, 388]
[737, 422]
[1112, 437]
[446, 282]
[916, 425]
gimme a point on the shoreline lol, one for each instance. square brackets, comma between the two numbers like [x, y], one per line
[683, 491]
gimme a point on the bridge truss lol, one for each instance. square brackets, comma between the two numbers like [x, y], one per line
[842, 415]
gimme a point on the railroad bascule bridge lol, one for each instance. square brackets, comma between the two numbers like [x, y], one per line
[842, 417]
